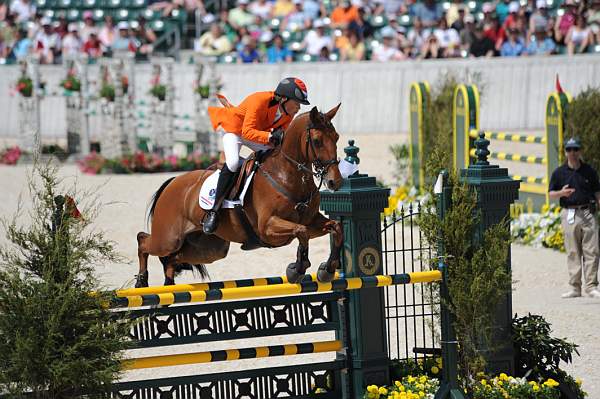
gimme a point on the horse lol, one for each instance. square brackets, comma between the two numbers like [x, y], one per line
[281, 205]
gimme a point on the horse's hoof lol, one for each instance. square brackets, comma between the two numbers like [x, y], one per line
[292, 274]
[324, 276]
[141, 280]
[169, 281]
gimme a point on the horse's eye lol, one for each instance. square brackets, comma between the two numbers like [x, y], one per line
[317, 142]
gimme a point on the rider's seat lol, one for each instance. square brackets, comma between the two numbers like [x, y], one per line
[250, 164]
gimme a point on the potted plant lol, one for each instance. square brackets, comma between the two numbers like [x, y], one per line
[159, 91]
[25, 86]
[107, 91]
[203, 90]
[71, 83]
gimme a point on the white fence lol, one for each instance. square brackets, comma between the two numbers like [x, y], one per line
[374, 96]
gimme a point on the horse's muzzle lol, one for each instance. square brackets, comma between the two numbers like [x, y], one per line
[333, 185]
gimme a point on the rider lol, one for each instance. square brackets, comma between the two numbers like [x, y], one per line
[258, 123]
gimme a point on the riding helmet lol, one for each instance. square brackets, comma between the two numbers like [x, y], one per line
[294, 89]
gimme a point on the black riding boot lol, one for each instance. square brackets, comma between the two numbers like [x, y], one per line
[226, 180]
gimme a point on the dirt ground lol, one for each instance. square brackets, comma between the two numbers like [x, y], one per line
[540, 275]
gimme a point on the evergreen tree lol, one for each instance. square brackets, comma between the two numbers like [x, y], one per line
[58, 337]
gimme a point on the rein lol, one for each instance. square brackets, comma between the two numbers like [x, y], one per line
[321, 169]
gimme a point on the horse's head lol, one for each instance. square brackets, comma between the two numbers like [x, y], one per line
[321, 146]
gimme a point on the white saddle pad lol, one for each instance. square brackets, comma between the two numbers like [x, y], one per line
[209, 188]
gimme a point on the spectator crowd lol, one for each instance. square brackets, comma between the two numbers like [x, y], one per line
[24, 31]
[326, 30]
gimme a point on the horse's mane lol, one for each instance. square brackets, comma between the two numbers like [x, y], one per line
[322, 123]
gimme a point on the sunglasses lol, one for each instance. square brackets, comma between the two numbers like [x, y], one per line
[571, 149]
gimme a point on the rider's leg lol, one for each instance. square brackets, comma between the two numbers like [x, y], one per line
[231, 148]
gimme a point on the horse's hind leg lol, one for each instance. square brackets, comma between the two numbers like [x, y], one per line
[148, 244]
[197, 249]
[141, 279]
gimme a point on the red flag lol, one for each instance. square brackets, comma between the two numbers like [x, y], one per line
[559, 88]
[72, 208]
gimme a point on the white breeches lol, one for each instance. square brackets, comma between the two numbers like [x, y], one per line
[232, 143]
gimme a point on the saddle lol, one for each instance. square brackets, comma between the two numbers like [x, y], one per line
[249, 165]
[235, 197]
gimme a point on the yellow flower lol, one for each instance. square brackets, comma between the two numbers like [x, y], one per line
[421, 394]
[536, 388]
[411, 379]
[402, 389]
[423, 379]
[503, 377]
[435, 370]
[383, 391]
[551, 383]
[557, 210]
[373, 389]
[579, 381]
[439, 361]
[401, 190]
[483, 382]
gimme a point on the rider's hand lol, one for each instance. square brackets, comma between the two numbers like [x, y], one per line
[276, 136]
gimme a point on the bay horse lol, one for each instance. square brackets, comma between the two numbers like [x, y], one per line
[282, 204]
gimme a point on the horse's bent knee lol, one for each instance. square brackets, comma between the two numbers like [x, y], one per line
[301, 232]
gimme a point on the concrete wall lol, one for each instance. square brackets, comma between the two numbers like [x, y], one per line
[374, 96]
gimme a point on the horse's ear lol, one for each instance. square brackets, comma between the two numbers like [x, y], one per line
[315, 116]
[331, 113]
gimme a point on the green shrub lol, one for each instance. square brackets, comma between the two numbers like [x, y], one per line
[538, 354]
[438, 123]
[477, 276]
[582, 120]
[56, 339]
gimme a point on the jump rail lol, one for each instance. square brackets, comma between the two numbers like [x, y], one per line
[217, 294]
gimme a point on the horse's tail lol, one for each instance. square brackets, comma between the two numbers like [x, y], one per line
[179, 267]
[154, 199]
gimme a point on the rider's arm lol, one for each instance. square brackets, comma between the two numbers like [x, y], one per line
[249, 127]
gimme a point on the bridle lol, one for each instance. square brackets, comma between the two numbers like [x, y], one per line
[321, 167]
[320, 171]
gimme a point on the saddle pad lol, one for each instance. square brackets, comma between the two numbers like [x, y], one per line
[209, 188]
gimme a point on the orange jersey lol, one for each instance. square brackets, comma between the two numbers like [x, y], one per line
[253, 119]
[340, 15]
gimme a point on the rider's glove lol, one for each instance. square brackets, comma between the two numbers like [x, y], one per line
[276, 136]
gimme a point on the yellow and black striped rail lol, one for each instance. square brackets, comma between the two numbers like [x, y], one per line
[252, 282]
[505, 156]
[530, 179]
[519, 138]
[232, 354]
[353, 283]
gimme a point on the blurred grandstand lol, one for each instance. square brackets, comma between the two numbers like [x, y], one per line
[298, 30]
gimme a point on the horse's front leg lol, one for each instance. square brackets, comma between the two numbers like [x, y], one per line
[318, 227]
[281, 230]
